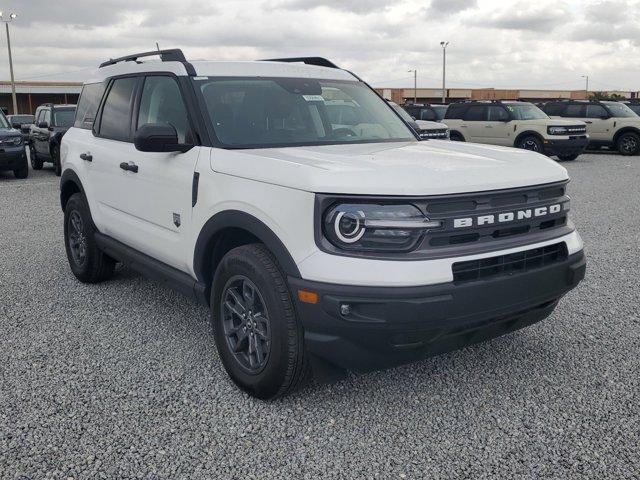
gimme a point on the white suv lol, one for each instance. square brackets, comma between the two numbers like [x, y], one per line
[316, 245]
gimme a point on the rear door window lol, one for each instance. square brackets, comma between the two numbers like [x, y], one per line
[115, 122]
[574, 111]
[476, 113]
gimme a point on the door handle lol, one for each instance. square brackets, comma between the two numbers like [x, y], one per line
[463, 126]
[130, 167]
[588, 121]
[86, 157]
[488, 126]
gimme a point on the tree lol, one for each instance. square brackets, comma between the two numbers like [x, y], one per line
[605, 96]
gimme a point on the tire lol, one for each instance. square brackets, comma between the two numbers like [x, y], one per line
[530, 142]
[22, 172]
[87, 262]
[36, 163]
[628, 144]
[456, 137]
[282, 364]
[568, 158]
[55, 157]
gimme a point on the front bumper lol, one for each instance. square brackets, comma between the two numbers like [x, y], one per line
[13, 158]
[574, 145]
[388, 326]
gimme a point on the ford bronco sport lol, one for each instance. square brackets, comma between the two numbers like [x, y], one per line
[13, 155]
[51, 123]
[317, 246]
[424, 128]
[609, 124]
[516, 124]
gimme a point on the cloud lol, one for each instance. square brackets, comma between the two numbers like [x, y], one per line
[525, 16]
[439, 8]
[355, 6]
[548, 44]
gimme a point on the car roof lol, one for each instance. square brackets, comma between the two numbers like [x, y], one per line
[223, 69]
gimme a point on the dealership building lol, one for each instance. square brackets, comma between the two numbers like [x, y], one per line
[434, 95]
[30, 95]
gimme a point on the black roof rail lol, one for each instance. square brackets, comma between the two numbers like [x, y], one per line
[317, 61]
[170, 55]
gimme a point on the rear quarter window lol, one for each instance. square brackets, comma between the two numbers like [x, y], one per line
[88, 105]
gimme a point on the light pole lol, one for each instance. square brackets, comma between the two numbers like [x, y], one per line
[444, 69]
[6, 21]
[415, 85]
[586, 90]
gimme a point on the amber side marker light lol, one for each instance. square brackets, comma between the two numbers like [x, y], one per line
[307, 297]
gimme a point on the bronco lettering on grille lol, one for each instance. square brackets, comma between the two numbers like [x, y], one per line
[506, 217]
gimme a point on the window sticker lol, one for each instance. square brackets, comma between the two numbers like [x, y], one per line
[313, 98]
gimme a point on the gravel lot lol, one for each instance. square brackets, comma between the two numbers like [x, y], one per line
[122, 380]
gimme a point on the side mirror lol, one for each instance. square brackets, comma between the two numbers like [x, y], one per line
[43, 125]
[158, 137]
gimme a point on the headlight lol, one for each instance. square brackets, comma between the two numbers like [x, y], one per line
[557, 130]
[374, 227]
[15, 141]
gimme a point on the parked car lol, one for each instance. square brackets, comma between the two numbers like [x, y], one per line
[516, 124]
[23, 123]
[426, 130]
[633, 105]
[318, 244]
[431, 112]
[13, 155]
[51, 123]
[609, 124]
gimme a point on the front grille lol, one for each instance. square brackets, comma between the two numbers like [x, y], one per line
[462, 215]
[510, 264]
[440, 133]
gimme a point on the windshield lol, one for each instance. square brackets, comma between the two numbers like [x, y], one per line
[280, 112]
[525, 111]
[64, 118]
[440, 111]
[620, 109]
[402, 112]
[21, 118]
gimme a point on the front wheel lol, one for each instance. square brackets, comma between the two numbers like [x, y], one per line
[36, 163]
[568, 158]
[87, 262]
[55, 156]
[22, 172]
[629, 144]
[257, 332]
[530, 142]
[456, 137]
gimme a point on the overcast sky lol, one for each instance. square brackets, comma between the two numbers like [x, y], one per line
[543, 43]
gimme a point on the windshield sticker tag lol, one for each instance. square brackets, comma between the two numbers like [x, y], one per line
[313, 98]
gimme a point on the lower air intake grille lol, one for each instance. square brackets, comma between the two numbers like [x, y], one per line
[509, 264]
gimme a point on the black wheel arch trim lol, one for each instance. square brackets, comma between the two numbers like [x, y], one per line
[69, 177]
[624, 130]
[528, 133]
[203, 255]
[458, 133]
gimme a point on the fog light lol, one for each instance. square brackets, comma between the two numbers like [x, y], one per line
[345, 309]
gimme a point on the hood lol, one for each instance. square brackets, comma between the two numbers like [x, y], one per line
[413, 168]
[9, 132]
[553, 122]
[428, 125]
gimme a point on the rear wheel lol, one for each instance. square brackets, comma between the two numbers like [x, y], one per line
[628, 144]
[87, 262]
[36, 163]
[568, 158]
[530, 142]
[55, 156]
[256, 329]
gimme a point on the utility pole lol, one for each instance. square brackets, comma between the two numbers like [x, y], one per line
[415, 85]
[444, 70]
[13, 83]
[586, 89]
